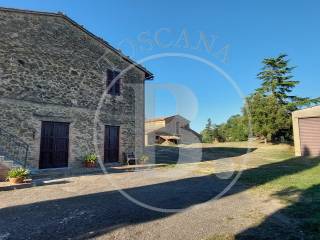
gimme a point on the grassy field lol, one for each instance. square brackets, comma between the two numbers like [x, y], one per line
[270, 170]
[296, 182]
[274, 170]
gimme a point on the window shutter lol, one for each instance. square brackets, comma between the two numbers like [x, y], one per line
[109, 79]
[117, 84]
[115, 88]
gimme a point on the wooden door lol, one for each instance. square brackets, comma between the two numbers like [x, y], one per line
[54, 146]
[111, 144]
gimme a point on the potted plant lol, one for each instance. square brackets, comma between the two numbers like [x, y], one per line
[17, 175]
[90, 160]
[144, 158]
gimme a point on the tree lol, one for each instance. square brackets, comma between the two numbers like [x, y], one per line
[207, 133]
[269, 107]
[273, 103]
[235, 129]
[212, 132]
[277, 81]
[209, 125]
[218, 134]
[268, 116]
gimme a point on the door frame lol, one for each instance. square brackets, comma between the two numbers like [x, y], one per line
[104, 143]
[68, 142]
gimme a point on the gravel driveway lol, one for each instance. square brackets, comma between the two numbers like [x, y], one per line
[92, 207]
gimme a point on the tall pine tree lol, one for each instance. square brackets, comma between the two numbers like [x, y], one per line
[277, 81]
[207, 133]
[272, 104]
[269, 107]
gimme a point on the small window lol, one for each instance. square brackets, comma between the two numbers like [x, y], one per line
[115, 88]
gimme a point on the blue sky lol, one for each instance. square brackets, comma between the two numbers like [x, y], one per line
[244, 31]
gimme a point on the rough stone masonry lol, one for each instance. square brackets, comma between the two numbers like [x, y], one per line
[52, 69]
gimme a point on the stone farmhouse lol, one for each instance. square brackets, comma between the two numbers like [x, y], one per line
[170, 130]
[65, 93]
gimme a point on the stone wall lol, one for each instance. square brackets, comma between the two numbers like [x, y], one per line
[52, 71]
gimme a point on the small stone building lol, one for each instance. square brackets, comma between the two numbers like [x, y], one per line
[170, 130]
[306, 128]
[65, 93]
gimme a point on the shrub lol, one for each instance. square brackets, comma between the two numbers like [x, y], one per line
[91, 158]
[18, 173]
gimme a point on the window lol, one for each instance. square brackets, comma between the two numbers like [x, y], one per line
[115, 88]
[177, 128]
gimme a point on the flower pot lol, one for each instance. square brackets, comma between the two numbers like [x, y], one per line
[16, 180]
[90, 164]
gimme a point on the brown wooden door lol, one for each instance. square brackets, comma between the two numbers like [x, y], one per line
[111, 144]
[54, 146]
[310, 136]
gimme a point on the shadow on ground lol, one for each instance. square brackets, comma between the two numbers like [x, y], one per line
[92, 215]
[178, 155]
[163, 155]
[300, 220]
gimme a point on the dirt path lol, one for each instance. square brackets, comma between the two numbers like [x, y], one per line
[91, 207]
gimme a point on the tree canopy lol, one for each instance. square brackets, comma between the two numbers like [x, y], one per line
[268, 116]
[269, 107]
[277, 80]
[207, 133]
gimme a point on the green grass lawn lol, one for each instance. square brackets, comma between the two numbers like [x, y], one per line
[296, 181]
[274, 171]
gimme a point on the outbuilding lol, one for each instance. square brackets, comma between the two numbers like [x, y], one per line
[306, 129]
[170, 130]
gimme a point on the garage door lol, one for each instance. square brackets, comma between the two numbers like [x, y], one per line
[310, 136]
